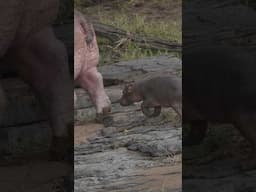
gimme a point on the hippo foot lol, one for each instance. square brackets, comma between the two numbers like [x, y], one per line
[62, 149]
[106, 110]
[106, 120]
[149, 113]
[104, 116]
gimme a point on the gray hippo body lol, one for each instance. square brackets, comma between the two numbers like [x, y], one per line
[28, 42]
[219, 87]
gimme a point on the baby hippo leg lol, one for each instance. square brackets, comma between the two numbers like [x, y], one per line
[92, 81]
[177, 107]
[146, 107]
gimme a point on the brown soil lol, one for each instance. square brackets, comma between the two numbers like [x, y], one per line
[85, 131]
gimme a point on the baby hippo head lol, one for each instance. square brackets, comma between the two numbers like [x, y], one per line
[129, 95]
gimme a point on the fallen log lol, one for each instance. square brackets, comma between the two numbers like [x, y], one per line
[114, 34]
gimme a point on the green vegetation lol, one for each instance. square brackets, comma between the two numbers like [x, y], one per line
[152, 18]
[138, 24]
[124, 50]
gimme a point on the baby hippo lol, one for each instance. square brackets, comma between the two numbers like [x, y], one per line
[155, 92]
[86, 60]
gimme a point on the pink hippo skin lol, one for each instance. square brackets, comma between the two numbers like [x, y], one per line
[86, 60]
[27, 40]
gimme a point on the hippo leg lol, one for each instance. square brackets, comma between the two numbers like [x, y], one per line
[177, 107]
[146, 107]
[44, 65]
[246, 124]
[147, 111]
[92, 81]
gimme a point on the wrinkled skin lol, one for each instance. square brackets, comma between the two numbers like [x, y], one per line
[86, 60]
[219, 87]
[156, 92]
[27, 41]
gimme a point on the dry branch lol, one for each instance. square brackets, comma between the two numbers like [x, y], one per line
[114, 34]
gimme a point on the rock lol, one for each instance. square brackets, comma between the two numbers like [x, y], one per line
[125, 171]
[126, 71]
